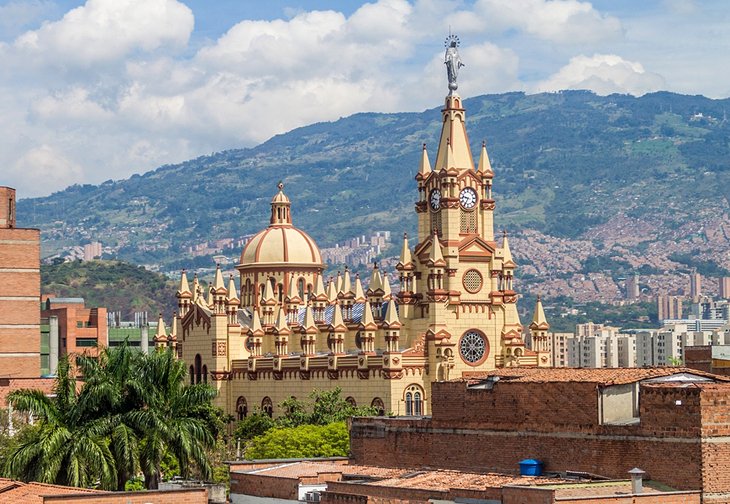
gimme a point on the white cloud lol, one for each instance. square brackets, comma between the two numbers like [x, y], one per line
[106, 30]
[49, 170]
[559, 21]
[604, 74]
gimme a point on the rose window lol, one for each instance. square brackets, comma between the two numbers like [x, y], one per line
[472, 281]
[472, 347]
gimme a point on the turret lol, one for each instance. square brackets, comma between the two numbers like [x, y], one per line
[346, 296]
[424, 172]
[539, 328]
[281, 333]
[172, 337]
[331, 292]
[375, 291]
[319, 300]
[508, 265]
[436, 269]
[487, 204]
[358, 292]
[309, 332]
[368, 327]
[232, 302]
[293, 301]
[391, 326]
[406, 267]
[184, 295]
[196, 288]
[256, 334]
[160, 338]
[337, 331]
[268, 304]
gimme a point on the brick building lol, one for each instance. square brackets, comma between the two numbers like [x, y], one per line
[19, 294]
[73, 328]
[588, 427]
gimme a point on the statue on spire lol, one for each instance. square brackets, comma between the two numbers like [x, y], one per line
[452, 61]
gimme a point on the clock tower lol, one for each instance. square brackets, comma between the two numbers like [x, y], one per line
[458, 297]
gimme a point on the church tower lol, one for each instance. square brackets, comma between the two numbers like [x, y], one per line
[457, 284]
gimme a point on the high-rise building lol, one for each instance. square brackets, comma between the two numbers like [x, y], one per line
[669, 307]
[695, 285]
[632, 287]
[20, 283]
[725, 287]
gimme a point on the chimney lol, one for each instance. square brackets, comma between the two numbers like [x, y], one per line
[637, 485]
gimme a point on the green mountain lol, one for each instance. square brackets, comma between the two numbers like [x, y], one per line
[564, 164]
[115, 285]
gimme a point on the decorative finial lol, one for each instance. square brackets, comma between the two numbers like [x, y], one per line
[484, 143]
[504, 233]
[424, 145]
[280, 185]
[405, 235]
[538, 298]
[452, 60]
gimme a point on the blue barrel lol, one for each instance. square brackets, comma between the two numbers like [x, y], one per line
[530, 467]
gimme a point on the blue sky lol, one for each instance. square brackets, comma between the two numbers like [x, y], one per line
[99, 89]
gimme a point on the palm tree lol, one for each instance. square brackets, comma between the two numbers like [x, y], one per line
[172, 417]
[69, 445]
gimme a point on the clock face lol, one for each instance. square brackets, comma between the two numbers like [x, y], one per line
[435, 199]
[468, 198]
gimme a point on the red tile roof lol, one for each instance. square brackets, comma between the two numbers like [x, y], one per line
[18, 492]
[604, 376]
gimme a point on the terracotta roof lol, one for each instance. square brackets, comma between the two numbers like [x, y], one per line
[604, 376]
[447, 480]
[603, 488]
[18, 492]
[312, 469]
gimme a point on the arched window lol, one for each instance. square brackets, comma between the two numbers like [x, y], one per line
[205, 373]
[378, 405]
[192, 375]
[246, 294]
[267, 406]
[301, 288]
[351, 401]
[281, 292]
[241, 408]
[309, 291]
[198, 367]
[414, 401]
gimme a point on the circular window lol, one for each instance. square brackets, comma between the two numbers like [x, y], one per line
[472, 281]
[472, 347]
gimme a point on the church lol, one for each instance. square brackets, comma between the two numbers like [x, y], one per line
[285, 332]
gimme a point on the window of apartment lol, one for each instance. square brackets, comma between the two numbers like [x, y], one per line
[86, 342]
[79, 323]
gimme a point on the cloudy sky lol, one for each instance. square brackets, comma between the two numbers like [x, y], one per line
[102, 89]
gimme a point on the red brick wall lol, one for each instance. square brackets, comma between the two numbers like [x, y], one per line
[666, 443]
[184, 496]
[19, 278]
[537, 495]
[698, 357]
[264, 486]
[516, 405]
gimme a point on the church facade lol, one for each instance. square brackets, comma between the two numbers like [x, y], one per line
[285, 332]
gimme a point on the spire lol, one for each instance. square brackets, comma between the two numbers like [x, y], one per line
[367, 321]
[338, 283]
[406, 259]
[219, 285]
[391, 316]
[331, 291]
[387, 293]
[359, 292]
[280, 208]
[196, 284]
[435, 257]
[210, 300]
[424, 169]
[232, 292]
[280, 326]
[346, 286]
[184, 287]
[256, 329]
[338, 322]
[309, 322]
[539, 321]
[292, 290]
[319, 292]
[449, 162]
[269, 292]
[376, 281]
[173, 328]
[485, 167]
[507, 252]
[161, 333]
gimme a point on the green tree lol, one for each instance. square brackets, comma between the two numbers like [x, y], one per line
[253, 425]
[173, 418]
[69, 445]
[304, 441]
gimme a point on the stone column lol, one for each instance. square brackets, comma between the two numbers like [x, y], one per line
[144, 341]
[53, 344]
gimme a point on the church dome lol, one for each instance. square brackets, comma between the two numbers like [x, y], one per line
[281, 243]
